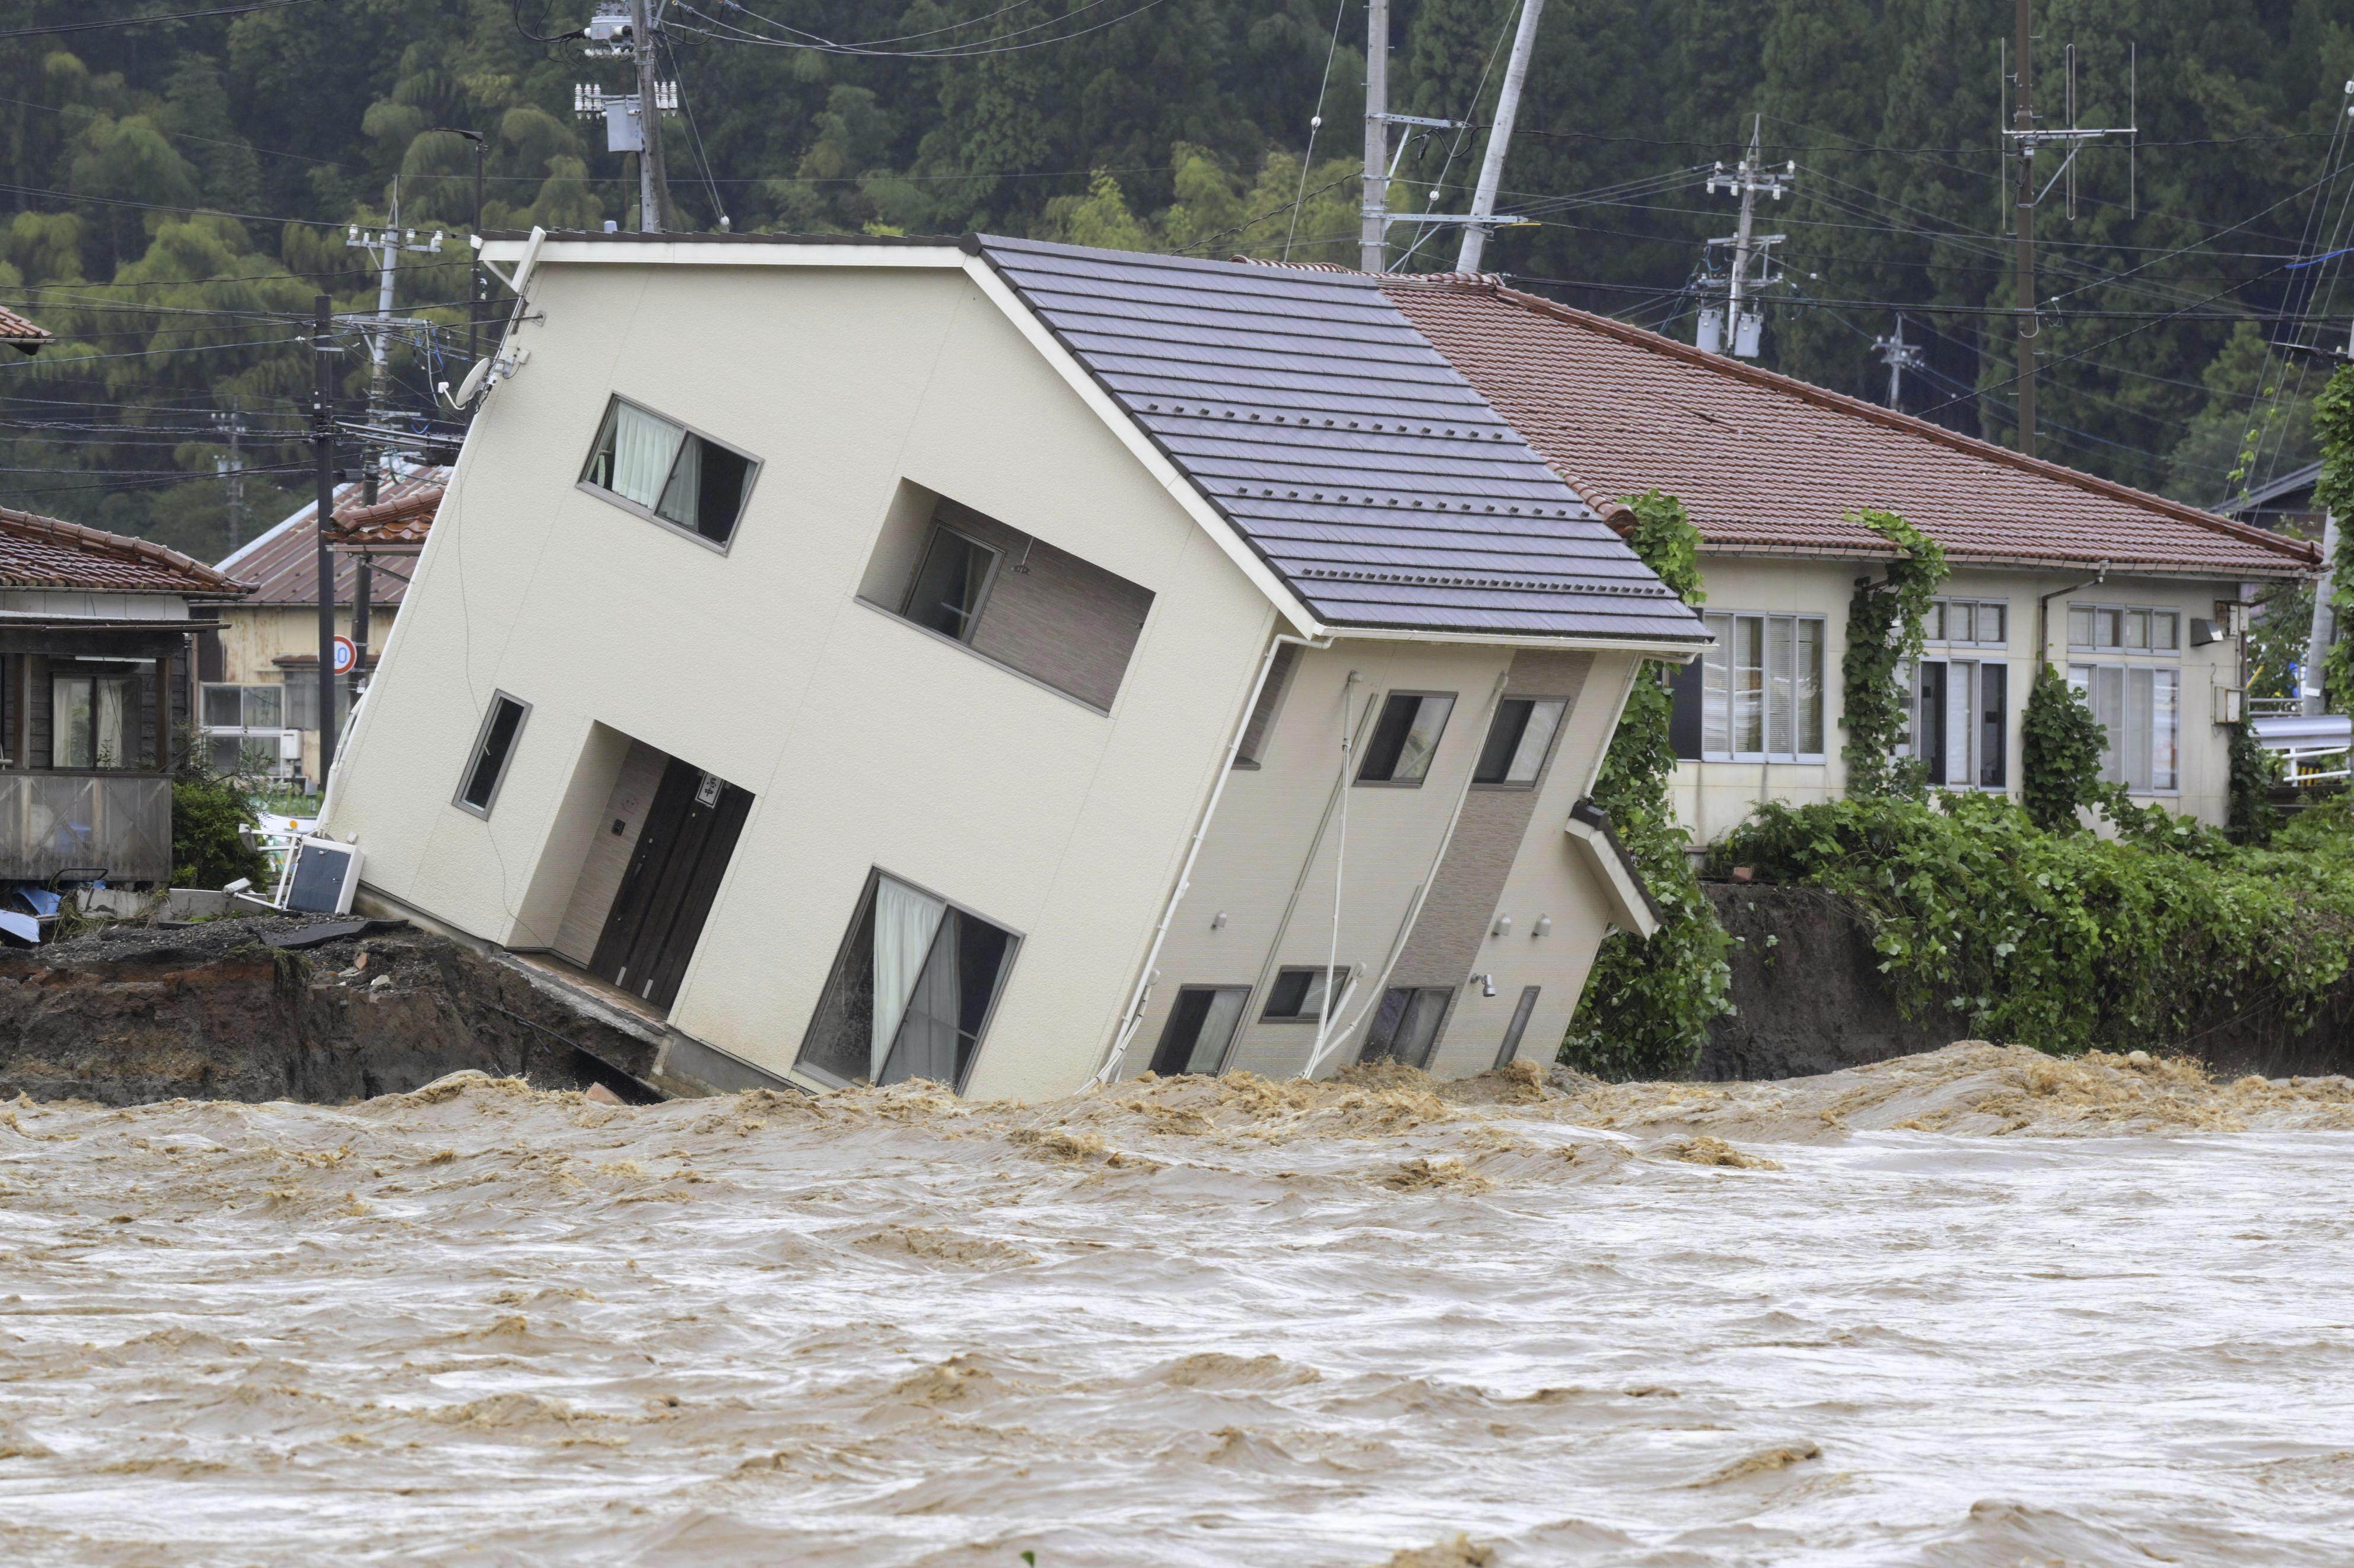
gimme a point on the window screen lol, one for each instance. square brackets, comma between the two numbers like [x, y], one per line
[501, 725]
[1405, 739]
[1298, 995]
[1519, 740]
[669, 473]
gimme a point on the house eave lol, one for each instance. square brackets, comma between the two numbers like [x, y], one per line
[2287, 571]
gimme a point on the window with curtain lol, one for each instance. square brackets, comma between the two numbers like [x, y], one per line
[664, 470]
[1201, 1027]
[1758, 690]
[1961, 727]
[2139, 709]
[911, 992]
[95, 721]
[1405, 737]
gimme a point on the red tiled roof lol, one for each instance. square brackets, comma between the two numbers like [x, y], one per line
[1766, 464]
[401, 521]
[39, 552]
[19, 334]
[285, 560]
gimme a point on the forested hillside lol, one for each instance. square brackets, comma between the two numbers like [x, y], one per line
[180, 188]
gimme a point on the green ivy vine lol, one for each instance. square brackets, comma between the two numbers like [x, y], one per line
[1885, 622]
[2333, 423]
[2060, 746]
[1648, 1002]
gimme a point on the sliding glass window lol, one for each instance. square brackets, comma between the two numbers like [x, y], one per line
[664, 471]
[912, 990]
[1761, 689]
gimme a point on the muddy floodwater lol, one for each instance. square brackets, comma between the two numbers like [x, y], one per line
[1976, 1307]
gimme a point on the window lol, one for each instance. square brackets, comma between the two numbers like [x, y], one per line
[1405, 737]
[243, 729]
[495, 744]
[1761, 688]
[1961, 721]
[1298, 995]
[2125, 628]
[1518, 740]
[1200, 1028]
[2140, 707]
[950, 584]
[1511, 1048]
[302, 700]
[911, 992]
[1973, 622]
[1406, 1027]
[667, 472]
[95, 721]
[1270, 701]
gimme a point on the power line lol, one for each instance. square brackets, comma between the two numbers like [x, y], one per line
[143, 21]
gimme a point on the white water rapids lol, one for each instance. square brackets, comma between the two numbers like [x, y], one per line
[1970, 1309]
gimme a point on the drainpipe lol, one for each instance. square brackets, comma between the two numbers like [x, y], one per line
[2043, 614]
[1134, 1020]
[1422, 894]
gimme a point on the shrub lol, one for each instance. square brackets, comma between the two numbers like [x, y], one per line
[207, 809]
[2060, 754]
[2064, 941]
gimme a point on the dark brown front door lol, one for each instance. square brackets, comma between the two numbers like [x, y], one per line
[666, 893]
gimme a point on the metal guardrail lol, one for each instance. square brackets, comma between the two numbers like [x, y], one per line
[50, 822]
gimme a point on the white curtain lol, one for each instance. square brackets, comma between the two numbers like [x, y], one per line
[643, 449]
[685, 487]
[69, 723]
[118, 701]
[905, 923]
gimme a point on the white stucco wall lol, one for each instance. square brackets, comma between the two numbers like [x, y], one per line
[1711, 798]
[866, 741]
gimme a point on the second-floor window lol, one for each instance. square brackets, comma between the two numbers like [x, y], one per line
[664, 471]
[1759, 690]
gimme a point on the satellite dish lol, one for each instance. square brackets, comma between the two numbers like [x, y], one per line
[471, 386]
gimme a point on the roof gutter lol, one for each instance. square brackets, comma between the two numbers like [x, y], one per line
[2288, 570]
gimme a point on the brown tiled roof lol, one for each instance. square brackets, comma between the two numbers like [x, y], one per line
[1766, 464]
[21, 334]
[401, 521]
[39, 552]
[285, 560]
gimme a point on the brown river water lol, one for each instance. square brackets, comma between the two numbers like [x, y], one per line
[1975, 1308]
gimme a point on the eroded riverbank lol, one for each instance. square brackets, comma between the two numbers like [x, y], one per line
[1962, 1309]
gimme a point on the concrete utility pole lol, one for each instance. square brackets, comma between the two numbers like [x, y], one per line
[322, 442]
[232, 470]
[1749, 180]
[1373, 230]
[2022, 119]
[2311, 696]
[653, 179]
[1500, 140]
[1899, 356]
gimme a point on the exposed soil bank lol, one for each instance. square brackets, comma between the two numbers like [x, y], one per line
[1810, 999]
[131, 1014]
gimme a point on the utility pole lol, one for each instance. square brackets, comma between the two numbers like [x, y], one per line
[1749, 180]
[654, 180]
[1373, 231]
[2022, 123]
[1500, 140]
[322, 440]
[2025, 139]
[232, 469]
[1899, 356]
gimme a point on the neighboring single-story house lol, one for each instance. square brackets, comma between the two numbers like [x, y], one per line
[261, 671]
[96, 646]
[22, 335]
[2137, 599]
[1003, 663]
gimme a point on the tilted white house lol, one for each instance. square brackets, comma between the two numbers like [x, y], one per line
[1000, 663]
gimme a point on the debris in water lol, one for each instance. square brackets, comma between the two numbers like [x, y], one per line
[1705, 1149]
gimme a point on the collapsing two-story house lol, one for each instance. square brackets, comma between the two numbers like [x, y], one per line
[1004, 663]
